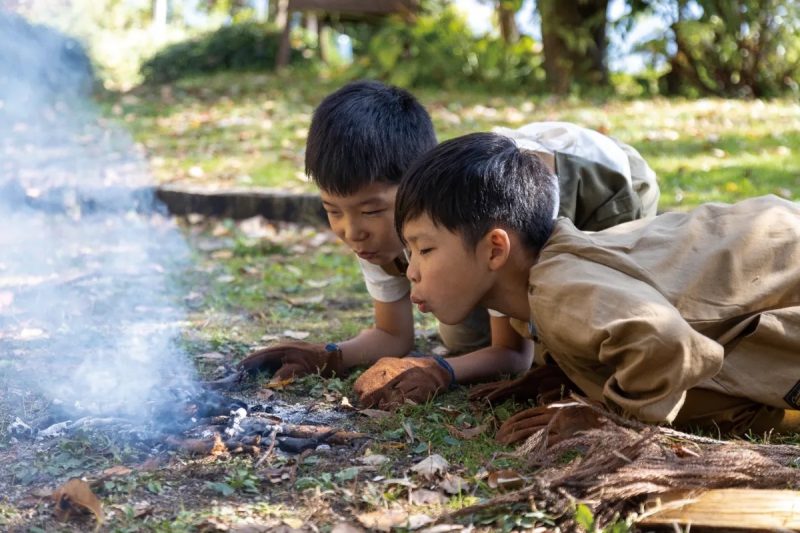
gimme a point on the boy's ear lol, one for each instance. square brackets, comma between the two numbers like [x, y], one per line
[499, 244]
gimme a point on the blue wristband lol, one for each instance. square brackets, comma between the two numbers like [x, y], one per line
[442, 363]
[332, 347]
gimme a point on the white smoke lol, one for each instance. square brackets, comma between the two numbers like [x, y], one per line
[89, 314]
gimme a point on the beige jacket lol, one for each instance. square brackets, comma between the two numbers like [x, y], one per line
[638, 314]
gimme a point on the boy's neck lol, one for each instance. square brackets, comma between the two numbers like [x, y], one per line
[510, 292]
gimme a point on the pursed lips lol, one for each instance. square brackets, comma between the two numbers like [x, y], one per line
[421, 304]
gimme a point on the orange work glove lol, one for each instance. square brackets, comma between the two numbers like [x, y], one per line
[296, 359]
[543, 384]
[566, 421]
[392, 380]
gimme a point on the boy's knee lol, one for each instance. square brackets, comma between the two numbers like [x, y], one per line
[734, 416]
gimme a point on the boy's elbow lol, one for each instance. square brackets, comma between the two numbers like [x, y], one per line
[520, 360]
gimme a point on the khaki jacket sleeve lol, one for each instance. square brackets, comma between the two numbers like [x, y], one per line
[620, 338]
[594, 196]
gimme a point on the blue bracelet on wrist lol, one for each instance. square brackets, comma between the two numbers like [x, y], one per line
[442, 363]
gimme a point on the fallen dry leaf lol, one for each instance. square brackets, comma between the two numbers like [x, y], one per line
[383, 520]
[117, 470]
[427, 497]
[505, 480]
[400, 481]
[211, 356]
[431, 466]
[374, 413]
[298, 335]
[453, 484]
[374, 459]
[416, 521]
[293, 522]
[466, 433]
[76, 495]
[139, 509]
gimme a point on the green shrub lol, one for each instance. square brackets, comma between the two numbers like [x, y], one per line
[244, 46]
[439, 50]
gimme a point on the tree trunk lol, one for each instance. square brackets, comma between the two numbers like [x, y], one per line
[574, 43]
[508, 25]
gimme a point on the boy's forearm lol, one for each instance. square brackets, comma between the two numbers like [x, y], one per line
[489, 363]
[372, 344]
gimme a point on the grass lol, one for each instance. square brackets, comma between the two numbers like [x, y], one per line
[255, 282]
[249, 130]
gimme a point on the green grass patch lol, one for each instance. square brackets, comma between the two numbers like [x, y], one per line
[248, 129]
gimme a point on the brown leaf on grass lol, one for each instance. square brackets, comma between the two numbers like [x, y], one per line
[453, 484]
[374, 413]
[117, 470]
[466, 433]
[427, 497]
[383, 520]
[137, 509]
[431, 466]
[76, 496]
[505, 480]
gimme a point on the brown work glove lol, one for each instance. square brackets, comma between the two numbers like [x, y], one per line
[294, 359]
[392, 380]
[561, 423]
[543, 384]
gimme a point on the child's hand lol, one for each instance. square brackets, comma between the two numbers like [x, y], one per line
[544, 384]
[294, 359]
[560, 422]
[393, 380]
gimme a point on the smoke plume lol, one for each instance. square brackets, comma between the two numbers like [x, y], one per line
[89, 313]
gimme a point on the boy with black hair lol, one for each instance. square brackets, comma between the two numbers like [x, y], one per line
[361, 140]
[692, 318]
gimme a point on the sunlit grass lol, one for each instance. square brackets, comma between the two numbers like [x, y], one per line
[243, 130]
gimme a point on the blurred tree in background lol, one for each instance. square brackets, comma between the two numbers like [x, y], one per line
[740, 48]
[574, 43]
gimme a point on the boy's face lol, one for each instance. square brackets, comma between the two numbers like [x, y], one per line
[365, 222]
[447, 278]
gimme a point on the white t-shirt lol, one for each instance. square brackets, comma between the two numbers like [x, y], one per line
[381, 285]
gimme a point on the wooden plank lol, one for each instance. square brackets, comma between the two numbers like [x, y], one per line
[747, 509]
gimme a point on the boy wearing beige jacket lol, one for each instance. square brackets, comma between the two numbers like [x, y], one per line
[687, 317]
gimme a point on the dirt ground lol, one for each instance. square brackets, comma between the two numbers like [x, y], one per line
[431, 467]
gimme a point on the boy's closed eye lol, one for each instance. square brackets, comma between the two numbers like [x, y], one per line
[373, 212]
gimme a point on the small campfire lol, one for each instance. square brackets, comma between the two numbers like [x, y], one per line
[216, 423]
[208, 422]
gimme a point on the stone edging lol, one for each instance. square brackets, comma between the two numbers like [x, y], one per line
[273, 204]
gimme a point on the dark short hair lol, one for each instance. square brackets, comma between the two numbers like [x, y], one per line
[474, 183]
[366, 132]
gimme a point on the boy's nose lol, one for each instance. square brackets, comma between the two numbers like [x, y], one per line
[354, 232]
[412, 272]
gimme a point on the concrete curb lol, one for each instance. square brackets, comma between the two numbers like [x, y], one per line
[273, 204]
